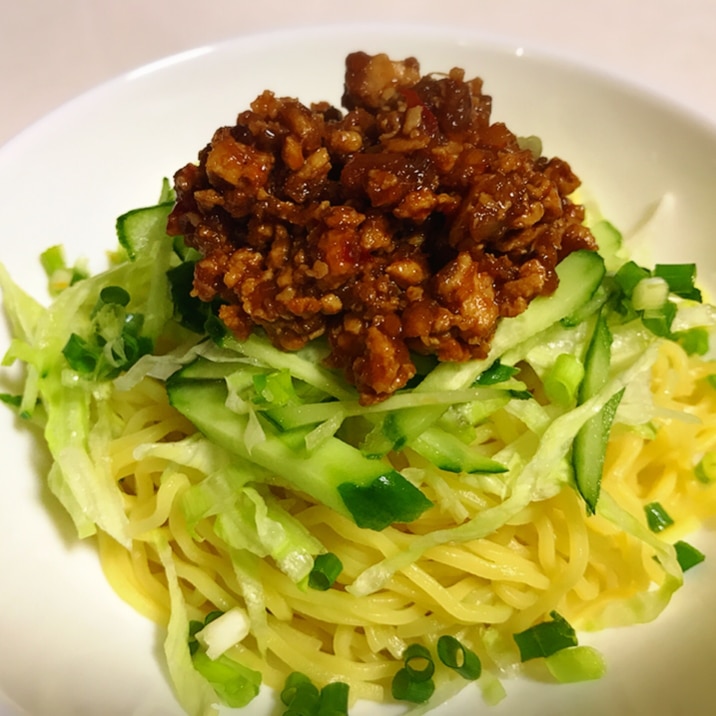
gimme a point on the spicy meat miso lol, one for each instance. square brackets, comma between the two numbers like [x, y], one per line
[406, 222]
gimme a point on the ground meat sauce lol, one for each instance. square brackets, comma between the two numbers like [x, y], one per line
[406, 223]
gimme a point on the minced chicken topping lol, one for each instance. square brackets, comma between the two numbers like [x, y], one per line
[406, 223]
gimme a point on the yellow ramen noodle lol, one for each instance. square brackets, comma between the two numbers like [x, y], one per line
[549, 556]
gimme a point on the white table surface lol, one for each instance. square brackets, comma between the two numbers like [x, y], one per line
[53, 50]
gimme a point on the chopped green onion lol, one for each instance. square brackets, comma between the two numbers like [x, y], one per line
[326, 568]
[300, 695]
[520, 394]
[114, 342]
[191, 311]
[657, 518]
[114, 295]
[333, 699]
[418, 662]
[404, 688]
[81, 356]
[133, 323]
[546, 638]
[295, 682]
[650, 293]
[659, 320]
[576, 663]
[423, 364]
[695, 341]
[53, 259]
[215, 328]
[305, 702]
[375, 504]
[492, 689]
[687, 555]
[235, 684]
[14, 401]
[562, 382]
[681, 279]
[629, 275]
[647, 293]
[496, 373]
[458, 657]
[212, 616]
[705, 470]
[196, 625]
[60, 275]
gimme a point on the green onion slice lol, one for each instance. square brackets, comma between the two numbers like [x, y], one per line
[629, 275]
[81, 356]
[687, 555]
[576, 663]
[418, 662]
[235, 684]
[681, 279]
[404, 688]
[650, 293]
[546, 638]
[326, 568]
[53, 259]
[334, 699]
[657, 517]
[496, 373]
[458, 657]
[562, 382]
[695, 341]
[114, 295]
[659, 320]
[300, 695]
[705, 470]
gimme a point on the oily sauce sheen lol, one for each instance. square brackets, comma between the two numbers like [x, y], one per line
[405, 223]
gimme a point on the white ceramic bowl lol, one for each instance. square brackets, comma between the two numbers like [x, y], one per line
[70, 646]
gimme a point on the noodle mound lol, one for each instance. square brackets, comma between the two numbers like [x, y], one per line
[547, 556]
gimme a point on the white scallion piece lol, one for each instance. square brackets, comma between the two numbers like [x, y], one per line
[224, 631]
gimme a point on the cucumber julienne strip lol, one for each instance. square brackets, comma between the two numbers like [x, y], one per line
[590, 443]
[295, 416]
[449, 453]
[589, 449]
